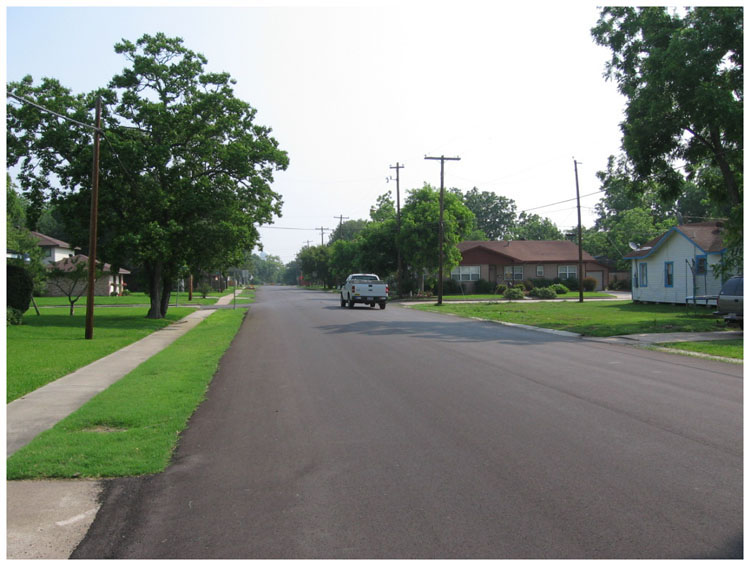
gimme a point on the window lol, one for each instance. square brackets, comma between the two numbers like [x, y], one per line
[540, 271]
[669, 274]
[643, 274]
[465, 273]
[513, 273]
[700, 265]
[567, 271]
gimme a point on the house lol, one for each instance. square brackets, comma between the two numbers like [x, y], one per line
[54, 249]
[516, 260]
[60, 255]
[677, 266]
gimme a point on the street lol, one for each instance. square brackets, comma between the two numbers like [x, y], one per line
[365, 433]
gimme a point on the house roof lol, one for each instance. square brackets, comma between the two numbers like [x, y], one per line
[45, 241]
[528, 251]
[69, 264]
[706, 236]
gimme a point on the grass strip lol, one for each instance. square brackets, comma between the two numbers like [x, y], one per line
[722, 348]
[132, 427]
[594, 318]
[47, 347]
[131, 299]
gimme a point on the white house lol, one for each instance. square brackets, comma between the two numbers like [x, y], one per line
[677, 266]
[60, 255]
[54, 249]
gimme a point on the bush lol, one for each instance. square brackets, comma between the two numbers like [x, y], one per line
[527, 284]
[20, 287]
[451, 287]
[204, 289]
[542, 282]
[513, 294]
[14, 317]
[560, 289]
[589, 284]
[500, 289]
[483, 287]
[543, 293]
[571, 283]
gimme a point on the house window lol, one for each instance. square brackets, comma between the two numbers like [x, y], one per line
[669, 274]
[643, 274]
[540, 271]
[465, 273]
[567, 271]
[701, 263]
[513, 272]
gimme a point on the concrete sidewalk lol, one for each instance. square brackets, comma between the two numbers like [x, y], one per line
[47, 519]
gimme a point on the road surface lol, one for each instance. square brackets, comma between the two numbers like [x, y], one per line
[366, 433]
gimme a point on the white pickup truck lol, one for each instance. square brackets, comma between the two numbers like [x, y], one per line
[364, 288]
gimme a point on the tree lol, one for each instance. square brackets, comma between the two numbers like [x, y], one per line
[315, 265]
[377, 248]
[385, 208]
[347, 230]
[20, 240]
[495, 214]
[420, 229]
[71, 277]
[266, 269]
[682, 76]
[534, 227]
[191, 169]
[636, 225]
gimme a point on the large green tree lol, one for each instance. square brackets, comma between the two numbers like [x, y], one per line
[534, 227]
[185, 173]
[495, 214]
[420, 221]
[681, 72]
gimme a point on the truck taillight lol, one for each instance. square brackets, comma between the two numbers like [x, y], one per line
[386, 289]
[354, 288]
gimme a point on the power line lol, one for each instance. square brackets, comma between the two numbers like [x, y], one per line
[40, 107]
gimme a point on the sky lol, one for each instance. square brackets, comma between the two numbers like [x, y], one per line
[350, 89]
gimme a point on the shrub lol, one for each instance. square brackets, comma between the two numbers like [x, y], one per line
[571, 283]
[484, 287]
[543, 293]
[542, 282]
[560, 289]
[204, 289]
[500, 289]
[513, 294]
[589, 284]
[527, 284]
[451, 287]
[20, 287]
[14, 317]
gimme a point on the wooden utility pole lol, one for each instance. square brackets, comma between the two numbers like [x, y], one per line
[89, 334]
[398, 228]
[441, 229]
[341, 220]
[580, 238]
[322, 243]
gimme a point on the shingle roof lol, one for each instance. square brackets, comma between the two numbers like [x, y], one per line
[708, 236]
[69, 263]
[526, 251]
[44, 240]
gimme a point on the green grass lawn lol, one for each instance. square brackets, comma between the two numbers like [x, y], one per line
[47, 347]
[723, 348]
[131, 299]
[594, 318]
[487, 297]
[133, 426]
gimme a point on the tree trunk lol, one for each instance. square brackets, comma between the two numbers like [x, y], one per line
[155, 288]
[730, 181]
[165, 295]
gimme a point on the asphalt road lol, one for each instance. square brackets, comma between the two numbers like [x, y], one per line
[368, 433]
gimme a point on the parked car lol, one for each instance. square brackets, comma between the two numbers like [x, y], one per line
[729, 303]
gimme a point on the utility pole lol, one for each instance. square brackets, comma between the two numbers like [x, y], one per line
[89, 333]
[441, 235]
[398, 225]
[308, 242]
[321, 234]
[580, 237]
[341, 222]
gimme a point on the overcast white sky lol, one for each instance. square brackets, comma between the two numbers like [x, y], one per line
[513, 89]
